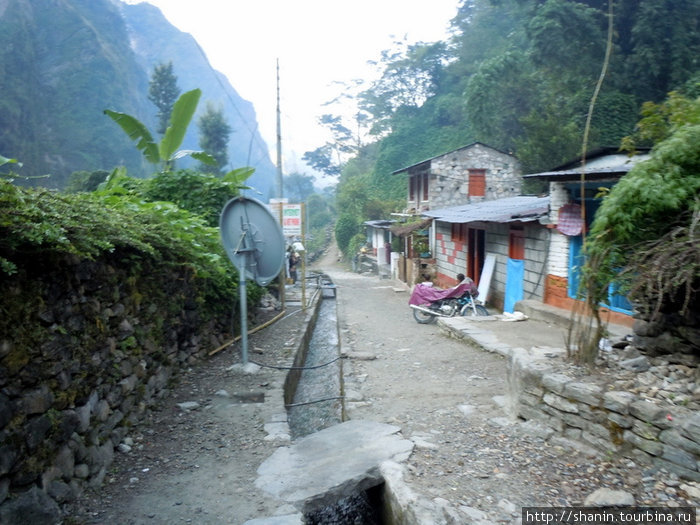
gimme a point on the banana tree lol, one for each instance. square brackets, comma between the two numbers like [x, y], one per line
[5, 160]
[166, 152]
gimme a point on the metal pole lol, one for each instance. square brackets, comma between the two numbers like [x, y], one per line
[243, 300]
[303, 259]
[279, 137]
[282, 279]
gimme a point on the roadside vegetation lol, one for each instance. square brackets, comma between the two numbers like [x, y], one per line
[517, 75]
[170, 219]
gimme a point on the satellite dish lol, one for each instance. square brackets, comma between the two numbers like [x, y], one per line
[254, 242]
[252, 239]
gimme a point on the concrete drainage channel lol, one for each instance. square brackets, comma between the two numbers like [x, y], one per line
[335, 471]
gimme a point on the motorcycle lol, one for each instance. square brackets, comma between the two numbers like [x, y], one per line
[429, 303]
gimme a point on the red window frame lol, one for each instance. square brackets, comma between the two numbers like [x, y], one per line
[459, 232]
[516, 243]
[477, 183]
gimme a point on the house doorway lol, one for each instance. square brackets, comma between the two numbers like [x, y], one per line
[476, 246]
[515, 268]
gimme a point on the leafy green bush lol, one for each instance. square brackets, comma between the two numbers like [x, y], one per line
[204, 194]
[45, 224]
[346, 227]
[656, 197]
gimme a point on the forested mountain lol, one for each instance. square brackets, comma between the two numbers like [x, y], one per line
[519, 75]
[63, 62]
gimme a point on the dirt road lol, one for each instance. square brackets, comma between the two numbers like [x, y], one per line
[199, 466]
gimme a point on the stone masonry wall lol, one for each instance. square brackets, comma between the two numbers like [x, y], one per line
[449, 181]
[92, 348]
[635, 416]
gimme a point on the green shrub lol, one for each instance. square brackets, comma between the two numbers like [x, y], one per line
[45, 224]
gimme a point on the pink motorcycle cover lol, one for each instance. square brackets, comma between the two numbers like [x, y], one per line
[427, 294]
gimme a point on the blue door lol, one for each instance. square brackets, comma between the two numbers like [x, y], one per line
[515, 268]
[616, 301]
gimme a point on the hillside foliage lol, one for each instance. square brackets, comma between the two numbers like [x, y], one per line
[39, 223]
[648, 224]
[520, 75]
[53, 90]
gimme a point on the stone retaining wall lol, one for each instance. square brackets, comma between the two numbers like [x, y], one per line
[93, 346]
[589, 410]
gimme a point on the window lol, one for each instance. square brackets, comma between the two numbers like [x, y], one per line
[477, 183]
[418, 186]
[459, 232]
[516, 243]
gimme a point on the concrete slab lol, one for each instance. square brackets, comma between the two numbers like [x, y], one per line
[333, 463]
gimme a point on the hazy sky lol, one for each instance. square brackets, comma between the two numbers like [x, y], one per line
[318, 43]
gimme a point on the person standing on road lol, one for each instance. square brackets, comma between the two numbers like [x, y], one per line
[293, 262]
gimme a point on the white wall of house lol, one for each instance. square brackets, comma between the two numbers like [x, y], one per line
[558, 263]
[377, 239]
[451, 257]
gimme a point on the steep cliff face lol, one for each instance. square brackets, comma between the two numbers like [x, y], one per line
[62, 62]
[156, 41]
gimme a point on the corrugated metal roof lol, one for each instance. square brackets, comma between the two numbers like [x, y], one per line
[523, 208]
[379, 223]
[617, 165]
[591, 173]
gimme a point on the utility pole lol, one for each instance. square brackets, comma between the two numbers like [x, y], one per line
[282, 280]
[279, 137]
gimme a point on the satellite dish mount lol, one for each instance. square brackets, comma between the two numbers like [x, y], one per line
[254, 242]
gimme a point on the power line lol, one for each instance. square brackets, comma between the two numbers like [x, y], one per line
[254, 136]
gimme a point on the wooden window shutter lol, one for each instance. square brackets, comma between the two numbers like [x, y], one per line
[516, 244]
[477, 183]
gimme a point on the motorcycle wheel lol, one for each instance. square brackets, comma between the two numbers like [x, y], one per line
[423, 318]
[468, 310]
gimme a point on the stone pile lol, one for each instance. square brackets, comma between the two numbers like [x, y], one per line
[644, 408]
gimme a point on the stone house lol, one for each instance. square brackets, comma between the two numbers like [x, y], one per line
[501, 243]
[603, 168]
[472, 173]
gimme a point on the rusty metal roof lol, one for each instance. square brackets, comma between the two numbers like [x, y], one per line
[523, 208]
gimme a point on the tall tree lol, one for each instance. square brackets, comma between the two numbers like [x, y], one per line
[214, 134]
[163, 91]
[410, 74]
[666, 46]
[298, 186]
[344, 143]
[166, 151]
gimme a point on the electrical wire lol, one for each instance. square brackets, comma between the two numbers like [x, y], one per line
[254, 136]
[292, 405]
[277, 367]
